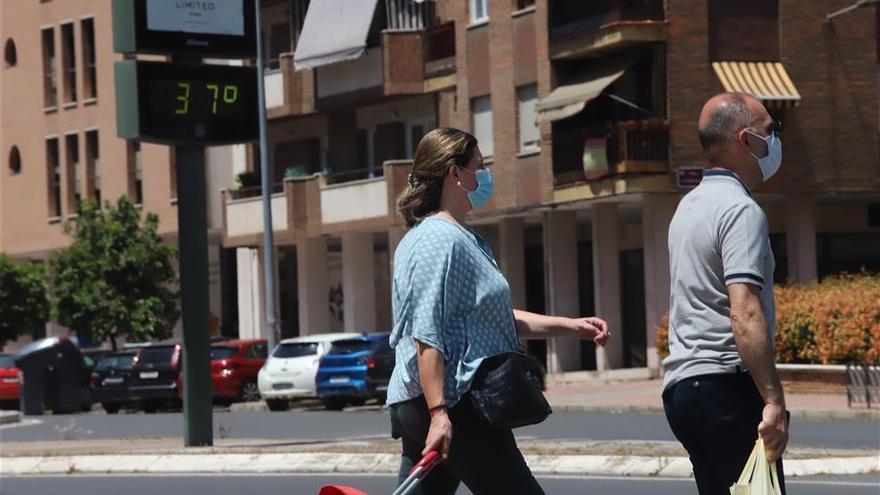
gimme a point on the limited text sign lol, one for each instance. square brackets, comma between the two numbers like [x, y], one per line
[197, 16]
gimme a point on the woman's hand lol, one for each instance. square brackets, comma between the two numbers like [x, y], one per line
[439, 433]
[590, 328]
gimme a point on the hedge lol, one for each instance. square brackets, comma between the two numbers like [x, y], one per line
[835, 321]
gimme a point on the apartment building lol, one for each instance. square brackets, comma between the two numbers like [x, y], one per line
[58, 135]
[586, 111]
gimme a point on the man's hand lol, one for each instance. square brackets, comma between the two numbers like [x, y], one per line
[774, 430]
[439, 433]
[590, 328]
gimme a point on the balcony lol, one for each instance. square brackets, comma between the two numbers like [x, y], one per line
[588, 29]
[418, 61]
[616, 149]
[310, 207]
[289, 93]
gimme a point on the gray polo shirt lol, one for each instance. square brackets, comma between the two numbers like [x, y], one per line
[717, 237]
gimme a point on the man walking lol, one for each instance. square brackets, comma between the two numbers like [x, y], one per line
[721, 389]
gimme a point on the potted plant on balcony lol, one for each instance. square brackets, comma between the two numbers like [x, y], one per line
[245, 180]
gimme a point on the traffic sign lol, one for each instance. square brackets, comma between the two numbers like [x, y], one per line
[170, 103]
[212, 28]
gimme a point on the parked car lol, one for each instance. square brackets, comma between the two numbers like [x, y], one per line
[10, 378]
[289, 373]
[111, 380]
[154, 377]
[234, 368]
[355, 370]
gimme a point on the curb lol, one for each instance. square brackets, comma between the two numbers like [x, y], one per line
[9, 417]
[796, 413]
[318, 463]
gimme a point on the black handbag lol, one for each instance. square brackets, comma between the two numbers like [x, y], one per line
[507, 391]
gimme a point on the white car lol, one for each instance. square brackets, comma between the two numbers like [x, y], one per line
[289, 373]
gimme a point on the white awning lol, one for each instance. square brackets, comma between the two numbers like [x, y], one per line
[334, 31]
[570, 99]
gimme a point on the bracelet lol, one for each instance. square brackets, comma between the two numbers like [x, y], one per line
[438, 406]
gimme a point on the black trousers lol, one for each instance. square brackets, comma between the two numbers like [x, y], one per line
[716, 418]
[487, 460]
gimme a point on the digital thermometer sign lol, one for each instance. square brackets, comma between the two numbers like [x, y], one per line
[185, 103]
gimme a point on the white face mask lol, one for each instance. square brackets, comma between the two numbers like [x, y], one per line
[771, 162]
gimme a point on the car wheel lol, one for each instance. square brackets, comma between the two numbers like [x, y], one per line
[333, 404]
[277, 404]
[250, 392]
[110, 408]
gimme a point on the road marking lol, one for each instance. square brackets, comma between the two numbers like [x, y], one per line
[21, 423]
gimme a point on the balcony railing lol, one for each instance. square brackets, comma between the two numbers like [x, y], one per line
[569, 18]
[407, 15]
[630, 147]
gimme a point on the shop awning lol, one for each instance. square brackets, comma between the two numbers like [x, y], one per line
[570, 99]
[334, 31]
[766, 81]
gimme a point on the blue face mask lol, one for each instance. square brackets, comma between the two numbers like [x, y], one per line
[480, 196]
[769, 163]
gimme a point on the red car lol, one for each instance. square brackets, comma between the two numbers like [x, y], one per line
[10, 379]
[234, 368]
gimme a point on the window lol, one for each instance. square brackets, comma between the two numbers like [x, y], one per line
[416, 130]
[93, 166]
[744, 31]
[298, 349]
[529, 135]
[521, 4]
[10, 53]
[50, 80]
[90, 72]
[134, 167]
[482, 110]
[53, 174]
[479, 11]
[68, 62]
[14, 161]
[74, 181]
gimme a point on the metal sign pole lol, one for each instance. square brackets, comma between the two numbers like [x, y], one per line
[266, 182]
[192, 220]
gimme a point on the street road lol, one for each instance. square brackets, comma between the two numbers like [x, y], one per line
[377, 485]
[365, 424]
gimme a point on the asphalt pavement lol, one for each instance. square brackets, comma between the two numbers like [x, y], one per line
[323, 425]
[376, 485]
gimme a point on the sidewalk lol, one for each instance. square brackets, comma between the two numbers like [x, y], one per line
[643, 396]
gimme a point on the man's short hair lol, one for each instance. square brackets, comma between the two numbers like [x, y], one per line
[729, 116]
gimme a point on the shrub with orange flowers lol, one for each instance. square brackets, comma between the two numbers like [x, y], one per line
[835, 321]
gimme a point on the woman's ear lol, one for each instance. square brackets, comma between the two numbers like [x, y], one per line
[453, 174]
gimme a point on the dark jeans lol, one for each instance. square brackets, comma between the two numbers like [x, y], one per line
[716, 418]
[485, 459]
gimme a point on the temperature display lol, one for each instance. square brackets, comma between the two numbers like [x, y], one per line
[207, 104]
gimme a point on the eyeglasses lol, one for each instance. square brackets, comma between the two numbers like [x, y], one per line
[775, 127]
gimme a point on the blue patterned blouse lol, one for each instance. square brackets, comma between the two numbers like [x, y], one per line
[448, 293]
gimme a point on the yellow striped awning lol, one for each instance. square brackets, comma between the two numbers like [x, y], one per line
[766, 81]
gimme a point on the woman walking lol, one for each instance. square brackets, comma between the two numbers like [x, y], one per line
[452, 311]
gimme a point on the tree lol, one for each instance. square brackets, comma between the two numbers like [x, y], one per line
[23, 298]
[117, 279]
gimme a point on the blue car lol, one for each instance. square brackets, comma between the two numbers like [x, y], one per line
[355, 370]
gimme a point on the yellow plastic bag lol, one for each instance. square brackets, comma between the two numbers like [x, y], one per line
[758, 476]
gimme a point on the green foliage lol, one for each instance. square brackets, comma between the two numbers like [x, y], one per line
[23, 298]
[117, 278]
